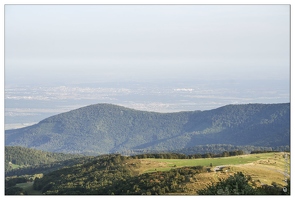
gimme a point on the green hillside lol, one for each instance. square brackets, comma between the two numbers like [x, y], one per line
[116, 174]
[16, 157]
[105, 128]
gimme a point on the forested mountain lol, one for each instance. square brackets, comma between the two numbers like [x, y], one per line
[106, 128]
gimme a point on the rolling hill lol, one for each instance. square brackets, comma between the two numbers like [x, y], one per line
[116, 174]
[106, 128]
[20, 157]
[25, 156]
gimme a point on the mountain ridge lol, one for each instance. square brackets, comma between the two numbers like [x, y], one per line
[107, 128]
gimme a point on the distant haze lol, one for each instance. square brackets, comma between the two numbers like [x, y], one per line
[162, 58]
[78, 43]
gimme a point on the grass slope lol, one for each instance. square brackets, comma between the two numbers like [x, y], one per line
[268, 168]
[28, 187]
[234, 160]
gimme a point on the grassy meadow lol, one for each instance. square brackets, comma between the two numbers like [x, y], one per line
[265, 168]
[29, 188]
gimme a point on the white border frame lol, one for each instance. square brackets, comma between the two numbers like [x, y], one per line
[138, 2]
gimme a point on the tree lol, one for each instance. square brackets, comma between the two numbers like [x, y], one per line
[225, 154]
[207, 155]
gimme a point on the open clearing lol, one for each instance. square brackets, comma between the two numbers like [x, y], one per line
[265, 168]
[150, 164]
[29, 188]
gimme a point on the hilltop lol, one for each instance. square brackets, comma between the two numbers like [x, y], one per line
[106, 128]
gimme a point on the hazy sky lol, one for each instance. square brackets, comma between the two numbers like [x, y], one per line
[80, 43]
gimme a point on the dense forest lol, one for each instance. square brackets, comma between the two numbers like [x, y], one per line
[105, 128]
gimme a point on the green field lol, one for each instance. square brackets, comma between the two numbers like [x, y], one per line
[14, 166]
[265, 167]
[28, 187]
[167, 164]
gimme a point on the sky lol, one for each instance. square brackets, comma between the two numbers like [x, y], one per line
[63, 44]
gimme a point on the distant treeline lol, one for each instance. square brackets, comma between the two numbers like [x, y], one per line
[219, 148]
[212, 148]
[256, 152]
[183, 156]
[194, 156]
